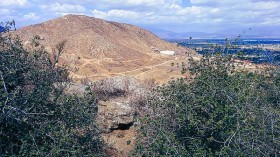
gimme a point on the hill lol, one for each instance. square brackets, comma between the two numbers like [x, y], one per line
[166, 34]
[96, 49]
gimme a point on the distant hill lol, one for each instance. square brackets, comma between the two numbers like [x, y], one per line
[166, 34]
[98, 49]
[228, 33]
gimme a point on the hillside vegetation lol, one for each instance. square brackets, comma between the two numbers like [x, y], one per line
[37, 118]
[221, 111]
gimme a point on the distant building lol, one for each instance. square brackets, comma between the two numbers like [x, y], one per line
[168, 52]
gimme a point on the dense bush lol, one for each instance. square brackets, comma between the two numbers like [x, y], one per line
[224, 111]
[37, 118]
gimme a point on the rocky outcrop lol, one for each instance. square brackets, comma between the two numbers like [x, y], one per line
[115, 114]
[119, 98]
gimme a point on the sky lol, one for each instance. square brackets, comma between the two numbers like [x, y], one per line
[173, 15]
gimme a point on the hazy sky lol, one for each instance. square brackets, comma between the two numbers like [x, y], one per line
[174, 15]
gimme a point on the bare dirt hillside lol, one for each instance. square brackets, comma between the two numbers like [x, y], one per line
[96, 49]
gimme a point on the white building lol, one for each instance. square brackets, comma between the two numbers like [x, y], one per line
[168, 52]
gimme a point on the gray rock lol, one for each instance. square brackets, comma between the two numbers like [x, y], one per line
[115, 114]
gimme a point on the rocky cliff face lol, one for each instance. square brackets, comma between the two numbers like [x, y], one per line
[121, 101]
[96, 49]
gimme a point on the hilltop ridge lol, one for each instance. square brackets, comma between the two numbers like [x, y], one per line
[98, 49]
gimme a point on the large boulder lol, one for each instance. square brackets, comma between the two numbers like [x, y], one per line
[115, 114]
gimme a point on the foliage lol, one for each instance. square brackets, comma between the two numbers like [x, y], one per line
[223, 111]
[37, 118]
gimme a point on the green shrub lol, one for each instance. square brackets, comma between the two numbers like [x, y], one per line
[223, 111]
[37, 118]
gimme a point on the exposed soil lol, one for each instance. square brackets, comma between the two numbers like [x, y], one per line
[97, 49]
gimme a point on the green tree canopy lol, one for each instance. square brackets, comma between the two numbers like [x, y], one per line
[37, 118]
[223, 111]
